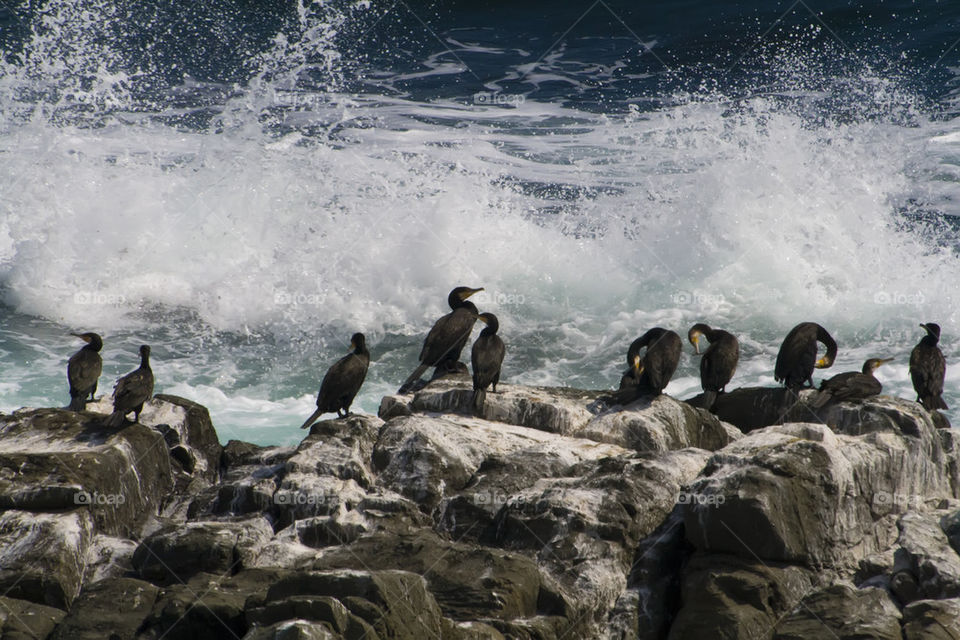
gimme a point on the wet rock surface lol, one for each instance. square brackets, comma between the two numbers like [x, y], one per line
[552, 514]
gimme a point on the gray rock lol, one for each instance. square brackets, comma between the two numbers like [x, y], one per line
[925, 553]
[113, 608]
[932, 620]
[23, 620]
[296, 630]
[658, 424]
[196, 433]
[843, 612]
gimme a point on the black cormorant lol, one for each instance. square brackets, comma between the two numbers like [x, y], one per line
[927, 369]
[486, 358]
[651, 372]
[852, 385]
[342, 381]
[718, 362]
[83, 371]
[132, 391]
[798, 355]
[448, 336]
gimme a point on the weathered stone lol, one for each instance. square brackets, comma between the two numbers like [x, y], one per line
[728, 598]
[843, 612]
[395, 603]
[339, 448]
[177, 552]
[53, 460]
[192, 423]
[295, 630]
[932, 620]
[42, 555]
[22, 620]
[113, 608]
[925, 553]
[798, 493]
[657, 424]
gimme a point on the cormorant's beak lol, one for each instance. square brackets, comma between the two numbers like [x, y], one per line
[353, 346]
[483, 319]
[885, 360]
[81, 336]
[469, 292]
[638, 364]
[695, 339]
[823, 363]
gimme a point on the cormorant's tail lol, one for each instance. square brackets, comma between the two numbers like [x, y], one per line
[417, 373]
[116, 419]
[931, 403]
[709, 397]
[479, 397]
[312, 418]
[823, 397]
[77, 403]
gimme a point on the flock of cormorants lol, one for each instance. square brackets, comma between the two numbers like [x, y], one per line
[652, 360]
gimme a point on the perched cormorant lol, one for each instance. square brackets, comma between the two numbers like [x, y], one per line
[927, 369]
[852, 385]
[718, 362]
[342, 381]
[486, 358]
[798, 355]
[132, 391]
[83, 371]
[448, 336]
[652, 372]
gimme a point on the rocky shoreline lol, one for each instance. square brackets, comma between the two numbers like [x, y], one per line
[550, 516]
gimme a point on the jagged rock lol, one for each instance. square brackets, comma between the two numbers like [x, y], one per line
[339, 448]
[208, 607]
[657, 424]
[177, 552]
[729, 598]
[655, 579]
[22, 620]
[53, 460]
[843, 612]
[925, 553]
[932, 620]
[108, 557]
[113, 608]
[552, 409]
[425, 458]
[42, 555]
[249, 478]
[469, 582]
[799, 493]
[296, 630]
[395, 603]
[192, 423]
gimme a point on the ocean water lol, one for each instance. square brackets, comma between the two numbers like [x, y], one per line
[243, 185]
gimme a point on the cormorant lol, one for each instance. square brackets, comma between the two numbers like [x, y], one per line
[448, 336]
[83, 371]
[486, 358]
[342, 381]
[927, 369]
[851, 385]
[718, 362]
[798, 355]
[653, 371]
[132, 391]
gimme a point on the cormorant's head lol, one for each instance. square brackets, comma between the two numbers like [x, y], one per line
[357, 342]
[872, 364]
[637, 365]
[493, 324]
[144, 351]
[825, 362]
[92, 339]
[460, 294]
[933, 330]
[696, 332]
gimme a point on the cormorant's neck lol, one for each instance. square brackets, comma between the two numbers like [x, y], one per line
[929, 340]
